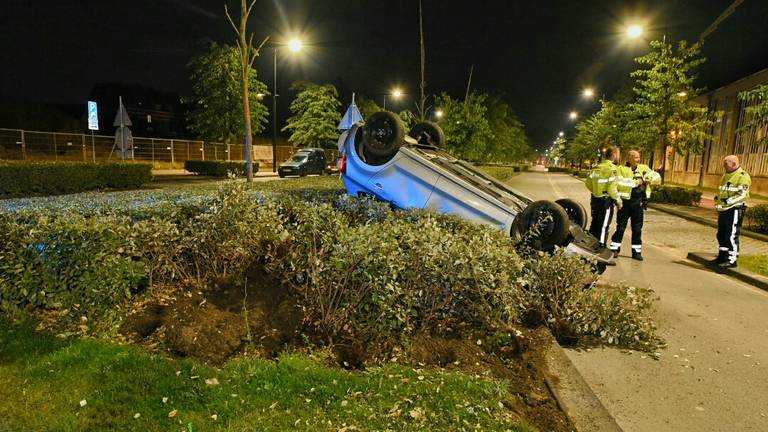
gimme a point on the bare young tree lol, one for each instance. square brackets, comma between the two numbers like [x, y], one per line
[248, 55]
[423, 85]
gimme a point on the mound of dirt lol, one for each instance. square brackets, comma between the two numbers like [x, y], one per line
[213, 324]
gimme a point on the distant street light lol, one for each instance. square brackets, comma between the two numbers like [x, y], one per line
[295, 45]
[682, 94]
[439, 114]
[588, 93]
[634, 31]
[395, 93]
[561, 133]
[573, 115]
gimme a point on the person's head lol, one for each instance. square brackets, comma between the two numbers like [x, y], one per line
[633, 157]
[731, 163]
[612, 154]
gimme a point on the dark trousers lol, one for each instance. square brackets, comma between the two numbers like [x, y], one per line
[728, 229]
[602, 214]
[631, 210]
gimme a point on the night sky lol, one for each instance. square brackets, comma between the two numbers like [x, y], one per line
[538, 54]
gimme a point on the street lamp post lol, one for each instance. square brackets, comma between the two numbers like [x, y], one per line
[294, 45]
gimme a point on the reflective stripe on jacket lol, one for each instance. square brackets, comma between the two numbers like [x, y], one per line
[602, 181]
[630, 179]
[733, 190]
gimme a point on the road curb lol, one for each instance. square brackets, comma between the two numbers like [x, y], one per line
[738, 273]
[705, 221]
[573, 394]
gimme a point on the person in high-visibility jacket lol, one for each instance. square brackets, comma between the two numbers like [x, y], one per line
[602, 181]
[635, 180]
[731, 202]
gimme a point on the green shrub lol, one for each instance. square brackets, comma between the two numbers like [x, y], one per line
[357, 267]
[499, 172]
[675, 195]
[617, 315]
[218, 168]
[19, 179]
[756, 218]
[554, 169]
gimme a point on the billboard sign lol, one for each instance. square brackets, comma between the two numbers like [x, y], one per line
[93, 116]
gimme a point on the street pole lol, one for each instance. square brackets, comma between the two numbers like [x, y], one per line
[274, 113]
[385, 103]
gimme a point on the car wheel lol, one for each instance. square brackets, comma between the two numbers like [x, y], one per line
[550, 221]
[282, 175]
[428, 133]
[576, 212]
[383, 134]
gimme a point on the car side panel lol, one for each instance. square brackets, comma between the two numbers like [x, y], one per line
[451, 197]
[403, 182]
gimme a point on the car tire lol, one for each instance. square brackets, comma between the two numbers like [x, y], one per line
[428, 133]
[281, 175]
[553, 232]
[383, 134]
[576, 212]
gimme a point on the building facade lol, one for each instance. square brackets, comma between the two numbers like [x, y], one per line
[728, 137]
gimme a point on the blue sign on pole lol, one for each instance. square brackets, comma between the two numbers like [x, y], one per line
[93, 116]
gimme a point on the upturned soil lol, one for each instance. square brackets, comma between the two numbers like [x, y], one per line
[258, 316]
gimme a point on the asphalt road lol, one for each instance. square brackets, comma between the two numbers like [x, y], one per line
[713, 376]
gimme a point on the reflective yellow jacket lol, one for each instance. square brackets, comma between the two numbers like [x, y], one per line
[602, 181]
[630, 179]
[733, 191]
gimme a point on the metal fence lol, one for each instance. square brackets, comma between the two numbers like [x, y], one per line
[17, 144]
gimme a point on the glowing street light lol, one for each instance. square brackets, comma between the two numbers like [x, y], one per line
[395, 93]
[634, 31]
[561, 134]
[295, 45]
[682, 94]
[573, 115]
[439, 114]
[588, 93]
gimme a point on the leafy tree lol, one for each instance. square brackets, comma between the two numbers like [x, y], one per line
[663, 113]
[756, 111]
[408, 118]
[602, 129]
[315, 115]
[217, 108]
[509, 142]
[466, 126]
[367, 106]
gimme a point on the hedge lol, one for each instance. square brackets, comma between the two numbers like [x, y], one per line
[675, 195]
[355, 266]
[553, 169]
[20, 179]
[218, 168]
[757, 218]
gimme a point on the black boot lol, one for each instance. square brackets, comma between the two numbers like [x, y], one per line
[615, 252]
[727, 264]
[637, 256]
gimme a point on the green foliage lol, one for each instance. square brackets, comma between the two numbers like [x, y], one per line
[367, 106]
[18, 179]
[602, 129]
[554, 169]
[675, 195]
[755, 263]
[616, 315]
[408, 118]
[357, 267]
[218, 168]
[664, 112]
[315, 116]
[509, 143]
[466, 126]
[500, 172]
[757, 112]
[216, 107]
[138, 390]
[756, 218]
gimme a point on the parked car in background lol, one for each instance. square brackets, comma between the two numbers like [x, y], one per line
[333, 167]
[304, 162]
[412, 171]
